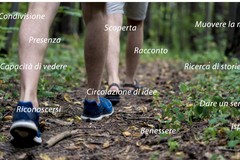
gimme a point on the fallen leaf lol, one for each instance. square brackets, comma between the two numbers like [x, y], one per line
[90, 146]
[9, 108]
[70, 120]
[144, 109]
[179, 154]
[169, 86]
[236, 156]
[56, 105]
[145, 148]
[134, 128]
[148, 125]
[77, 119]
[60, 158]
[128, 108]
[208, 155]
[1, 155]
[190, 105]
[167, 118]
[127, 150]
[106, 144]
[138, 143]
[72, 147]
[138, 135]
[77, 102]
[116, 140]
[22, 156]
[44, 156]
[78, 141]
[7, 118]
[126, 133]
[67, 97]
[45, 104]
[169, 81]
[222, 132]
[158, 115]
[172, 92]
[42, 124]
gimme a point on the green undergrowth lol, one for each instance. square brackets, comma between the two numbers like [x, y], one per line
[198, 57]
[185, 108]
[52, 82]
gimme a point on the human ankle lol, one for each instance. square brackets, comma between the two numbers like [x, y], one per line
[93, 98]
[113, 80]
[34, 101]
[129, 80]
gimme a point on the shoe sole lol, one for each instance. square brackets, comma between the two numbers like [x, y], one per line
[115, 99]
[25, 131]
[97, 118]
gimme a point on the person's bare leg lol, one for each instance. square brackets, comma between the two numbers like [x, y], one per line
[95, 47]
[33, 53]
[113, 51]
[135, 39]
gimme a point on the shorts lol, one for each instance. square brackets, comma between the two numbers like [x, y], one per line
[133, 10]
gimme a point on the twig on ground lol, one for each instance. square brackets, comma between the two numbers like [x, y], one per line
[228, 149]
[140, 118]
[60, 122]
[53, 140]
[92, 135]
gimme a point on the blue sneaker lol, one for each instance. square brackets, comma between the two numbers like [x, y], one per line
[95, 112]
[25, 127]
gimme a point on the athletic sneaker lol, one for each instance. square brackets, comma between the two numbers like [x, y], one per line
[25, 127]
[95, 112]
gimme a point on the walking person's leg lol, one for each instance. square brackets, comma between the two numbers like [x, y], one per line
[95, 51]
[114, 11]
[26, 124]
[136, 13]
[134, 39]
[136, 18]
[113, 51]
[33, 53]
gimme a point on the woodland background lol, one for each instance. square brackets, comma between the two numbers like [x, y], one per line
[202, 132]
[167, 24]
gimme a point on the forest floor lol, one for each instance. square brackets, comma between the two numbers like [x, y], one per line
[119, 136]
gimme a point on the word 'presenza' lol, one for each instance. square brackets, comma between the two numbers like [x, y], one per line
[44, 40]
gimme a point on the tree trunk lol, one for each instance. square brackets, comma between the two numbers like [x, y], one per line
[208, 29]
[64, 24]
[147, 23]
[9, 35]
[192, 35]
[233, 41]
[162, 36]
[171, 34]
[218, 9]
[80, 23]
[180, 7]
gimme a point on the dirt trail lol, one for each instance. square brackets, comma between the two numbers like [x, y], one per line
[117, 137]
